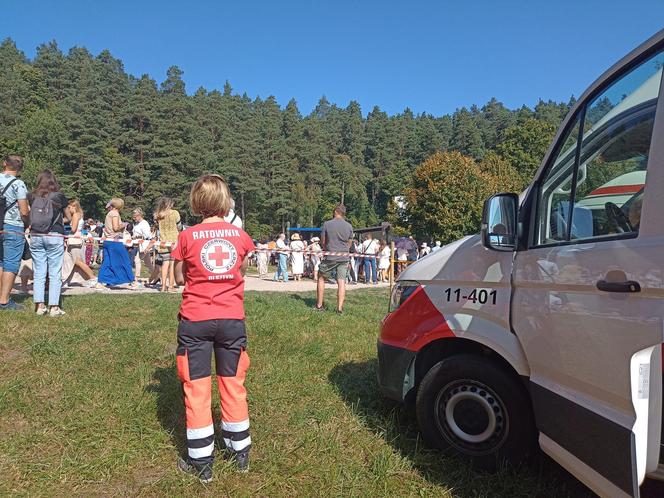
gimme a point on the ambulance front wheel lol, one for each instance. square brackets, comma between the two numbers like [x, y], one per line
[472, 406]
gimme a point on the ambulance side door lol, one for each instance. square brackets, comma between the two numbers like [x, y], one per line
[588, 292]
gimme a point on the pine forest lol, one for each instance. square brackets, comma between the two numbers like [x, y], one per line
[108, 133]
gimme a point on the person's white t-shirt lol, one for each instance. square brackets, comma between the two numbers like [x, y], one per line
[402, 254]
[370, 246]
[142, 231]
[233, 219]
[281, 245]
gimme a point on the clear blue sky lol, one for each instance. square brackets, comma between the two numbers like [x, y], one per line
[431, 56]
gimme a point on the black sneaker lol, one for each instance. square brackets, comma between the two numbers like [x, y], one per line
[317, 308]
[204, 473]
[242, 461]
[11, 306]
[240, 458]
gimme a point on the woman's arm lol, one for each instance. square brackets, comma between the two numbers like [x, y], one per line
[115, 222]
[180, 270]
[75, 218]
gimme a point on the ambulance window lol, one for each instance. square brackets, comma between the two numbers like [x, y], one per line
[556, 190]
[606, 177]
[617, 131]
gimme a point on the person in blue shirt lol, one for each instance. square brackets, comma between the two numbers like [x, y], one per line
[15, 220]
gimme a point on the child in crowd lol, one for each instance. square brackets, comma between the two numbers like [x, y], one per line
[210, 261]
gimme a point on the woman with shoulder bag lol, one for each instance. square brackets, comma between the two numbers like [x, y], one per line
[75, 245]
[115, 266]
[49, 210]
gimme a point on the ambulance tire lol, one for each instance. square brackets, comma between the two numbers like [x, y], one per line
[468, 405]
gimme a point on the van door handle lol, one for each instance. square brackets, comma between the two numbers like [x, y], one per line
[627, 286]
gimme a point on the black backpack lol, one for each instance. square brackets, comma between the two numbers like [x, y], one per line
[43, 214]
[4, 207]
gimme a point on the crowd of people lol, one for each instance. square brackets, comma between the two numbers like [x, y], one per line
[369, 260]
[300, 256]
[46, 239]
[52, 260]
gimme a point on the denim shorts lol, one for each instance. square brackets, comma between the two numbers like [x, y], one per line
[11, 249]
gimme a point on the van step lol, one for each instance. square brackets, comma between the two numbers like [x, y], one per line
[658, 475]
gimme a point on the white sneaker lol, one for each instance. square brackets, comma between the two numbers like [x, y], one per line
[42, 311]
[55, 312]
[90, 283]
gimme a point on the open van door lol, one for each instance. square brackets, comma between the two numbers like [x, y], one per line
[588, 300]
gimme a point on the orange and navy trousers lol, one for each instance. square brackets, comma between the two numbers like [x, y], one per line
[197, 341]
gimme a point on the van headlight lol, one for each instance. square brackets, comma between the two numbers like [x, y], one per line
[401, 291]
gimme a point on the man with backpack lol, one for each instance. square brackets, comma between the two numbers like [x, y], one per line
[14, 211]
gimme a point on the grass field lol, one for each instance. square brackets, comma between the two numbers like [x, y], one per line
[90, 405]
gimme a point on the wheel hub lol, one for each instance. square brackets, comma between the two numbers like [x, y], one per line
[471, 417]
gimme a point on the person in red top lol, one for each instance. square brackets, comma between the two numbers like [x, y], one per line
[210, 261]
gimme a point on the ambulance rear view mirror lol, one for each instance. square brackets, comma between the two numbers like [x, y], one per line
[499, 222]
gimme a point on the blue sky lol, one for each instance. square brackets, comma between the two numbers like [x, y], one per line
[431, 56]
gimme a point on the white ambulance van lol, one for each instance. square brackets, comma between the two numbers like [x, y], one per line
[548, 327]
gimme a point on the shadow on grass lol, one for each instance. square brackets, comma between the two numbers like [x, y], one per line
[396, 424]
[309, 301]
[24, 299]
[170, 407]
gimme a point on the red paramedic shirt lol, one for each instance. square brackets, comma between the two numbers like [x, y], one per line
[214, 287]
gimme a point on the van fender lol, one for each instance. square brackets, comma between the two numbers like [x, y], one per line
[487, 324]
[490, 334]
[482, 331]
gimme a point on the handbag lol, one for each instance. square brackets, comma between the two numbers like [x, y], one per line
[27, 255]
[74, 242]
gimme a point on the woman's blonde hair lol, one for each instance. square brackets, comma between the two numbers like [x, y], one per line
[117, 203]
[163, 205]
[210, 196]
[75, 206]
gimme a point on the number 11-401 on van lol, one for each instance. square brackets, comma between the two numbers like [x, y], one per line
[481, 296]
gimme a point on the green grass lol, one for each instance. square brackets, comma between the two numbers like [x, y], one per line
[90, 405]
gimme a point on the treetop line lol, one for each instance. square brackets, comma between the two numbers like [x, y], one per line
[107, 133]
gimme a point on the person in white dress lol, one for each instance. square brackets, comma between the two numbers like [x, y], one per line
[315, 258]
[297, 258]
[383, 261]
[261, 258]
[142, 232]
